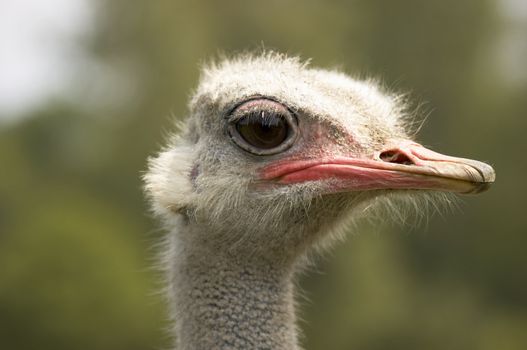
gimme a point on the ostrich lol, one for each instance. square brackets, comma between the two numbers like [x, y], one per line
[274, 161]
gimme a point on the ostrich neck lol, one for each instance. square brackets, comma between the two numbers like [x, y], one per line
[222, 302]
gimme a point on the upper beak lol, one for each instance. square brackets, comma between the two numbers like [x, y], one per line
[404, 165]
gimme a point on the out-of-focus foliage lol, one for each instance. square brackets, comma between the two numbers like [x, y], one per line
[75, 236]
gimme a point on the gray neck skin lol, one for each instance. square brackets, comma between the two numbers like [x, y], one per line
[222, 302]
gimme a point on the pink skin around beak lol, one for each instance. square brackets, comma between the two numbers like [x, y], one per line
[406, 165]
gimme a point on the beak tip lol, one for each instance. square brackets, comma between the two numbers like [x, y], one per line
[480, 187]
[488, 176]
[487, 173]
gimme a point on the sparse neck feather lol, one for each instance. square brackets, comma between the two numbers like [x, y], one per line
[224, 302]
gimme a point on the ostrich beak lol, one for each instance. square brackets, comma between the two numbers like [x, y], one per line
[404, 165]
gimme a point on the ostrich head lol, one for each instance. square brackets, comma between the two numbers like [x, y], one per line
[274, 156]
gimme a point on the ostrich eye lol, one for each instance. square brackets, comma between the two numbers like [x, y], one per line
[263, 130]
[263, 127]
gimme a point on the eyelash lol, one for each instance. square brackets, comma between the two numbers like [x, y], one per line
[267, 118]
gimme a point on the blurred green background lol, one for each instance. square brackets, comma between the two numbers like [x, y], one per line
[76, 242]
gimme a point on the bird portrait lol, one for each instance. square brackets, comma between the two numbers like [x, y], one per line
[274, 163]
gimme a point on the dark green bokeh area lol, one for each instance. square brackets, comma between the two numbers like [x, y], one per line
[76, 241]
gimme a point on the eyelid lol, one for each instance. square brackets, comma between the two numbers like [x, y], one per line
[232, 111]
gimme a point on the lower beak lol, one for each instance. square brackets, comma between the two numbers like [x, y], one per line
[406, 165]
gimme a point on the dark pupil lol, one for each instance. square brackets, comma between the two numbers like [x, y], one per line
[263, 131]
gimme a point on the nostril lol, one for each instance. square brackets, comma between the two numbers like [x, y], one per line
[393, 156]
